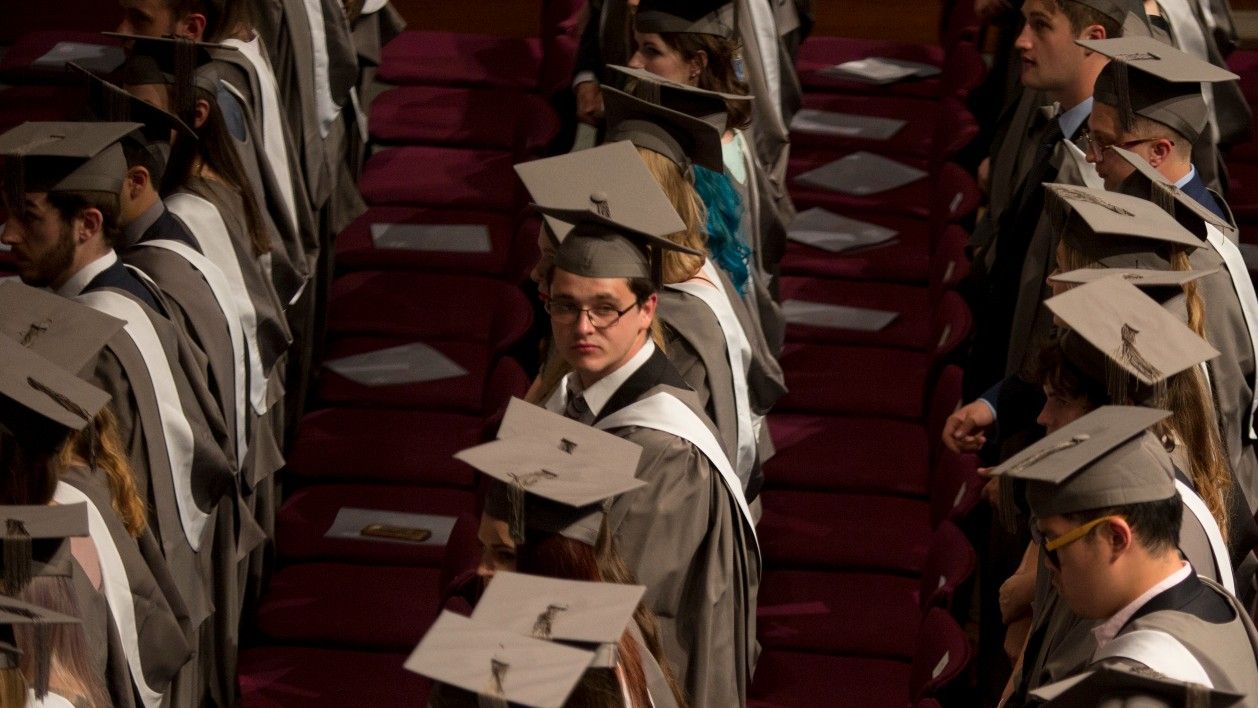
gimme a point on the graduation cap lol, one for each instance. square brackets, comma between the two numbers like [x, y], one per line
[714, 17]
[67, 333]
[1124, 12]
[14, 613]
[566, 468]
[35, 541]
[611, 178]
[1101, 225]
[711, 106]
[679, 137]
[601, 247]
[1154, 80]
[497, 663]
[1144, 278]
[1140, 340]
[1147, 183]
[169, 61]
[1106, 458]
[58, 156]
[1108, 682]
[108, 102]
[40, 400]
[594, 614]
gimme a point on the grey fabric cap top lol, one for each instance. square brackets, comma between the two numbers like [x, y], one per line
[1100, 224]
[48, 529]
[679, 137]
[711, 106]
[600, 247]
[714, 17]
[107, 102]
[1154, 80]
[551, 608]
[57, 156]
[1139, 277]
[68, 333]
[1106, 458]
[37, 394]
[1117, 685]
[1147, 183]
[1118, 10]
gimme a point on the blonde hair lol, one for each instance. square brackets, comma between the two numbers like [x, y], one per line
[71, 672]
[111, 459]
[1076, 259]
[679, 267]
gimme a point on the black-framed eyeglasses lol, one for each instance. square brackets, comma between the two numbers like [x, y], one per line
[1095, 148]
[601, 316]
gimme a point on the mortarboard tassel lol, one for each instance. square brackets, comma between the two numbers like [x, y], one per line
[1164, 197]
[17, 556]
[1123, 89]
[648, 91]
[599, 200]
[545, 622]
[184, 98]
[43, 658]
[117, 104]
[1035, 459]
[1127, 353]
[495, 694]
[1080, 195]
[518, 484]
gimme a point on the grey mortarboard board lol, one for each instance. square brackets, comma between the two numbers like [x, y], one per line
[1106, 458]
[59, 156]
[39, 398]
[711, 106]
[682, 138]
[36, 541]
[1119, 685]
[1129, 14]
[555, 473]
[109, 102]
[592, 615]
[497, 663]
[1147, 183]
[1144, 278]
[714, 17]
[610, 178]
[68, 333]
[14, 612]
[602, 247]
[1139, 338]
[170, 61]
[1110, 227]
[1154, 80]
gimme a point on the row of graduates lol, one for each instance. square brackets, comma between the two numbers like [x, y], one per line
[171, 248]
[636, 458]
[1115, 315]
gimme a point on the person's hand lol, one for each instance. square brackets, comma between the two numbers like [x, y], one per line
[991, 488]
[987, 9]
[589, 102]
[966, 429]
[1016, 594]
[984, 175]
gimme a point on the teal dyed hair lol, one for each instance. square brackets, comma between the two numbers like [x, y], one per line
[725, 213]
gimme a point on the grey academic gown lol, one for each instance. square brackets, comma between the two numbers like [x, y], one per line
[763, 224]
[684, 538]
[1011, 159]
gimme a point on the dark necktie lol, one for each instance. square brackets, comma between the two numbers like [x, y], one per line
[576, 409]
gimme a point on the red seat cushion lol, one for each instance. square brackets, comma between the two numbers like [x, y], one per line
[39, 102]
[464, 394]
[832, 613]
[429, 306]
[384, 445]
[452, 59]
[844, 531]
[905, 258]
[916, 139]
[880, 455]
[308, 514]
[854, 380]
[1244, 62]
[16, 63]
[821, 52]
[356, 250]
[439, 176]
[464, 117]
[949, 193]
[385, 608]
[788, 679]
[281, 677]
[1242, 194]
[911, 329]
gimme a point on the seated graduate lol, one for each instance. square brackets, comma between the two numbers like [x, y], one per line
[555, 478]
[54, 418]
[42, 659]
[691, 521]
[1107, 515]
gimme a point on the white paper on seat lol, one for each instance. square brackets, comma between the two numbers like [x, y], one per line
[350, 522]
[97, 58]
[445, 238]
[880, 70]
[845, 125]
[409, 363]
[861, 173]
[831, 232]
[819, 314]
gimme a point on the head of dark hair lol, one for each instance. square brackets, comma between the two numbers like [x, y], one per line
[222, 17]
[1055, 370]
[720, 73]
[1082, 16]
[139, 155]
[642, 288]
[1156, 524]
[70, 204]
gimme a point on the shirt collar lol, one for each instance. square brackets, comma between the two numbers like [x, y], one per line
[1070, 120]
[1182, 181]
[135, 230]
[77, 282]
[601, 391]
[1107, 630]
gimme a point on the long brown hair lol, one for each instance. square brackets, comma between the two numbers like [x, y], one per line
[71, 672]
[109, 458]
[719, 72]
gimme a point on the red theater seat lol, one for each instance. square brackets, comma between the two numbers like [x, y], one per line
[281, 677]
[356, 248]
[879, 455]
[500, 119]
[450, 59]
[440, 177]
[933, 130]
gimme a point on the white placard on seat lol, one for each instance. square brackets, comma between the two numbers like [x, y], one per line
[822, 228]
[350, 522]
[845, 125]
[96, 58]
[820, 314]
[409, 363]
[880, 70]
[861, 173]
[446, 238]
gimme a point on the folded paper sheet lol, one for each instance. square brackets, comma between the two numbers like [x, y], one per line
[831, 232]
[96, 58]
[443, 238]
[818, 314]
[845, 125]
[861, 173]
[409, 363]
[881, 70]
[350, 522]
